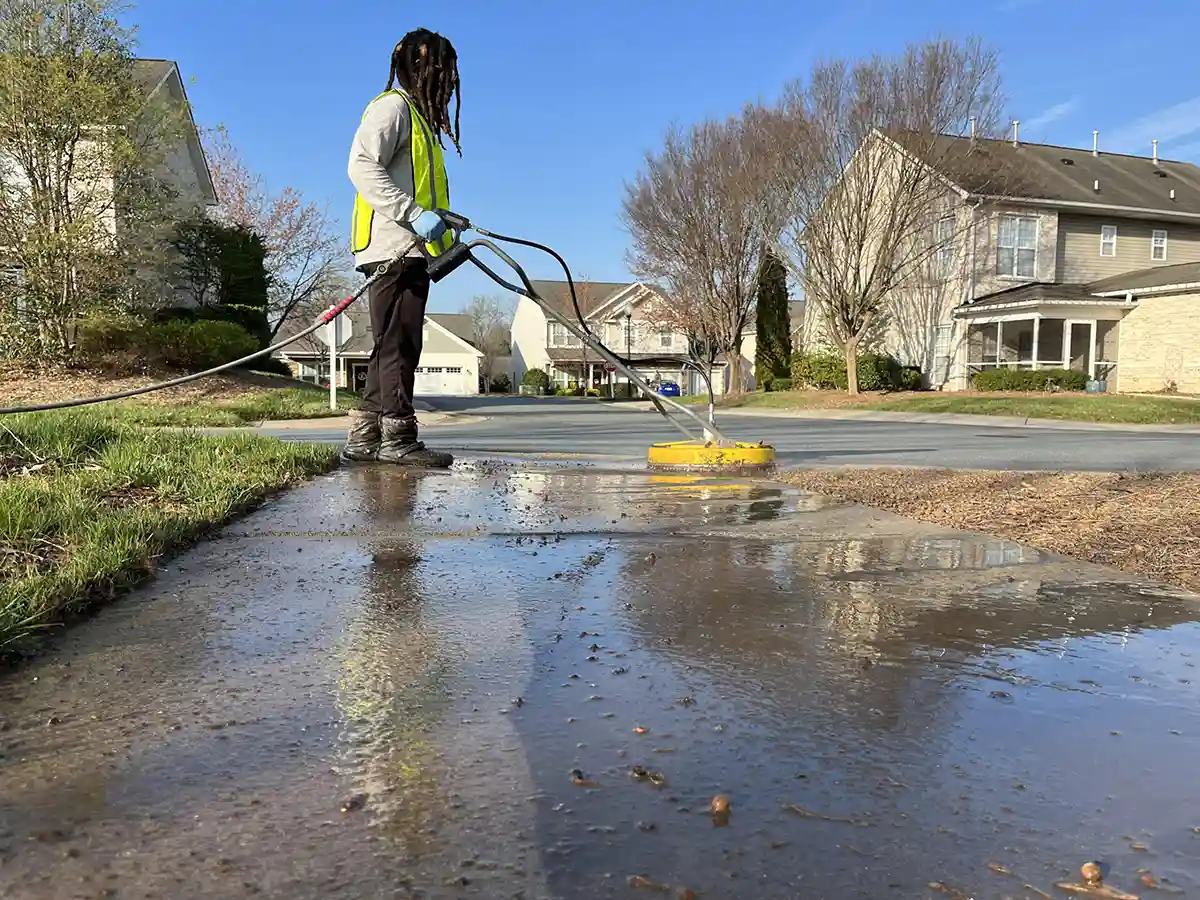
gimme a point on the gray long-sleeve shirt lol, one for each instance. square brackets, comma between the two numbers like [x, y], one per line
[381, 171]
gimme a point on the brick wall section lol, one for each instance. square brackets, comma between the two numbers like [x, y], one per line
[1160, 344]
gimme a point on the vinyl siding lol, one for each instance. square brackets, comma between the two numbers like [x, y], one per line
[1079, 259]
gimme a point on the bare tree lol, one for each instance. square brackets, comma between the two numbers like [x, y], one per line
[697, 217]
[86, 200]
[870, 144]
[304, 253]
[491, 322]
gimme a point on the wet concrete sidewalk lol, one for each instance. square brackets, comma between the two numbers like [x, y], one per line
[436, 686]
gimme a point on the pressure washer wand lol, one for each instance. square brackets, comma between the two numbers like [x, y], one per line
[442, 264]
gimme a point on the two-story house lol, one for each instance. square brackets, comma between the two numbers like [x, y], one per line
[1056, 257]
[623, 316]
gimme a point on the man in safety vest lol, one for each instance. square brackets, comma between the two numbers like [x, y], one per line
[397, 169]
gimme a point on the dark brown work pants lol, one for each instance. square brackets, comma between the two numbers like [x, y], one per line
[397, 302]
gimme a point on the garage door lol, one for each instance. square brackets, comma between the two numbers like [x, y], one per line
[434, 380]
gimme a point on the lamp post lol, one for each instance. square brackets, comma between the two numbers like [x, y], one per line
[629, 343]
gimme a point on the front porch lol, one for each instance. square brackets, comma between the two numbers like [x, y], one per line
[580, 372]
[1044, 327]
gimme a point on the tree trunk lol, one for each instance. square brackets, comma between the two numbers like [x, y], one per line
[852, 366]
[734, 358]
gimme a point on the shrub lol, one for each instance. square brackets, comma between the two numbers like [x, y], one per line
[878, 372]
[537, 379]
[826, 371]
[271, 366]
[193, 346]
[779, 384]
[132, 345]
[593, 392]
[1029, 380]
[501, 384]
[823, 371]
[910, 379]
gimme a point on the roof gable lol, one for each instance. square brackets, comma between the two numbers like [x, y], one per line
[155, 75]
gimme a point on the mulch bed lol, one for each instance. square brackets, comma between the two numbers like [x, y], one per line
[20, 387]
[1148, 525]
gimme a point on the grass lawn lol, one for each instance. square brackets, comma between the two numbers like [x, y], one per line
[1114, 408]
[216, 402]
[89, 503]
[1145, 524]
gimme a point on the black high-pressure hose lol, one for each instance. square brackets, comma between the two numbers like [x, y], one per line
[439, 267]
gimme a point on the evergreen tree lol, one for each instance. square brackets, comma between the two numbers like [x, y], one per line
[772, 355]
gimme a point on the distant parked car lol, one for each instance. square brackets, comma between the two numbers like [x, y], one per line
[669, 389]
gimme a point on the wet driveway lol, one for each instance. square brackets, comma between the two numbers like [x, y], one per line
[528, 680]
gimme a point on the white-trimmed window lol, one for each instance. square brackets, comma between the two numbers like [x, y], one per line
[1108, 240]
[943, 240]
[1158, 245]
[1016, 246]
[560, 337]
[666, 338]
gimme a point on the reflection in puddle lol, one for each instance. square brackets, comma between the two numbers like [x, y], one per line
[570, 682]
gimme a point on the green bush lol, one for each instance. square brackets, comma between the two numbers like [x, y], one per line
[827, 372]
[193, 346]
[130, 344]
[910, 379]
[822, 371]
[537, 379]
[593, 392]
[1029, 380]
[271, 366]
[501, 384]
[779, 384]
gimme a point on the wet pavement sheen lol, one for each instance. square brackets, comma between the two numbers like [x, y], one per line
[520, 680]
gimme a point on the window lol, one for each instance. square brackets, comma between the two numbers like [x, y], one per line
[1108, 240]
[941, 354]
[1016, 246]
[1158, 245]
[454, 370]
[560, 337]
[666, 338]
[943, 239]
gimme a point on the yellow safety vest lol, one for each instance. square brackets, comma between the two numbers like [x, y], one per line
[431, 189]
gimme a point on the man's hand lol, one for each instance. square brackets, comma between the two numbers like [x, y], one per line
[429, 226]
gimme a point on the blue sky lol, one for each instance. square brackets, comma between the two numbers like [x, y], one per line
[561, 100]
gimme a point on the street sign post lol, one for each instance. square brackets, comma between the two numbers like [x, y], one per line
[334, 336]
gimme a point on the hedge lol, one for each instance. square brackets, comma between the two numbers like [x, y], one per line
[876, 372]
[1029, 380]
[130, 345]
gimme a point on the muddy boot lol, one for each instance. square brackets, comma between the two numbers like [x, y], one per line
[401, 447]
[363, 438]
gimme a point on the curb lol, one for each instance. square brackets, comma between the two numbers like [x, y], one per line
[977, 421]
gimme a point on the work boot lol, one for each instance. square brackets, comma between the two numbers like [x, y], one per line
[400, 446]
[363, 438]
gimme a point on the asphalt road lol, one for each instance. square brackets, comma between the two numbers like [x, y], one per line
[519, 426]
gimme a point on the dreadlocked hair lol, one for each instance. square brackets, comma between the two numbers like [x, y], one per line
[426, 66]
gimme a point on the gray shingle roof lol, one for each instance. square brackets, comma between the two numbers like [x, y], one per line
[591, 294]
[1141, 279]
[461, 326]
[149, 73]
[1062, 174]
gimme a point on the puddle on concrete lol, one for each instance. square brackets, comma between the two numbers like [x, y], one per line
[470, 664]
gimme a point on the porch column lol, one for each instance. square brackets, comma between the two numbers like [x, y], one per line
[1037, 321]
[1066, 347]
[591, 372]
[1092, 352]
[999, 343]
